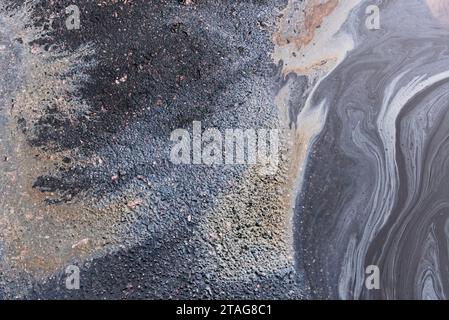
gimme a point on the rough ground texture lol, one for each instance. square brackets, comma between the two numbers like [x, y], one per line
[89, 181]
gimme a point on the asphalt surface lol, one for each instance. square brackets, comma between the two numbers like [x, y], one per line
[93, 118]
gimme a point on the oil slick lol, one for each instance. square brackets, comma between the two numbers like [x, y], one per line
[371, 188]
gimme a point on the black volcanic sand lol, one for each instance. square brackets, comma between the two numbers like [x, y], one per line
[159, 65]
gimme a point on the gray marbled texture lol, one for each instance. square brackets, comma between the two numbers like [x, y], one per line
[376, 185]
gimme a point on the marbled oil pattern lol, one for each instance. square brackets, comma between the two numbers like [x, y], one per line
[375, 186]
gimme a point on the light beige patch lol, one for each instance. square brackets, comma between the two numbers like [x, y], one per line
[440, 10]
[308, 40]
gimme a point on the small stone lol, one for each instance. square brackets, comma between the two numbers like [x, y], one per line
[81, 243]
[134, 203]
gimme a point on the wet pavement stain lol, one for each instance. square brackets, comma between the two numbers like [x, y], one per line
[86, 118]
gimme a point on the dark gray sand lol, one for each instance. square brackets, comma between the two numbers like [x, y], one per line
[93, 182]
